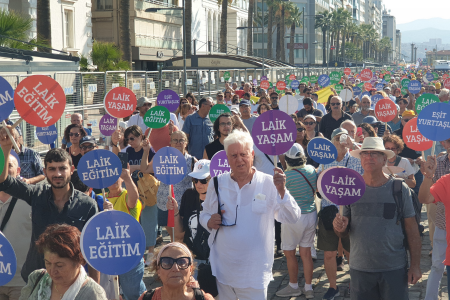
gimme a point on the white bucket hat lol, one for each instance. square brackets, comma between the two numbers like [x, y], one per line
[372, 144]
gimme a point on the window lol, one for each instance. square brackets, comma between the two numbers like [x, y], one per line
[68, 29]
[104, 4]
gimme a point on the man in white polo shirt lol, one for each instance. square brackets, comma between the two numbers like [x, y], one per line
[17, 229]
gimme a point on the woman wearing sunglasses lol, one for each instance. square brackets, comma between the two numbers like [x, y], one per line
[174, 267]
[310, 123]
[74, 133]
[187, 227]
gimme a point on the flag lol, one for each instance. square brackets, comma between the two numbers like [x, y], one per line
[323, 94]
[171, 217]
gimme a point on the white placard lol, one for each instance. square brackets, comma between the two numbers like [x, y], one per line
[136, 86]
[166, 83]
[177, 82]
[189, 82]
[152, 85]
[92, 88]
[114, 85]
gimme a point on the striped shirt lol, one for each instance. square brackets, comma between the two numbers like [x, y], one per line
[300, 189]
[349, 162]
[443, 167]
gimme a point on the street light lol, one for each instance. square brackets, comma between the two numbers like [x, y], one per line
[184, 40]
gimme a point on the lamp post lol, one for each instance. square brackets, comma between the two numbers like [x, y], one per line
[184, 39]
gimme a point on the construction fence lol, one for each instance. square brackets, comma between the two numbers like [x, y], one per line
[85, 91]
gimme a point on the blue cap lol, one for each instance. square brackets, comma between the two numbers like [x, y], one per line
[244, 102]
[370, 120]
[88, 139]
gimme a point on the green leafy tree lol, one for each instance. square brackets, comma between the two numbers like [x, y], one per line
[324, 23]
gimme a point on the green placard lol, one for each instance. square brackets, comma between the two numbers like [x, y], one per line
[288, 83]
[436, 75]
[338, 88]
[157, 117]
[389, 68]
[287, 77]
[387, 77]
[341, 73]
[278, 91]
[270, 85]
[404, 91]
[425, 100]
[335, 77]
[217, 110]
[226, 76]
[313, 78]
[305, 79]
[361, 85]
[405, 83]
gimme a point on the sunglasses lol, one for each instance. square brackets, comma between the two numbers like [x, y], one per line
[309, 123]
[300, 129]
[167, 262]
[202, 181]
[132, 138]
[74, 134]
[333, 104]
[406, 120]
[274, 98]
[87, 147]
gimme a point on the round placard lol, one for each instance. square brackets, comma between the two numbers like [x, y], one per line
[347, 71]
[113, 242]
[169, 99]
[217, 110]
[274, 132]
[425, 100]
[346, 95]
[288, 104]
[413, 138]
[107, 125]
[219, 164]
[47, 135]
[281, 85]
[375, 98]
[157, 117]
[335, 77]
[414, 86]
[323, 80]
[313, 78]
[120, 102]
[385, 110]
[8, 260]
[6, 99]
[264, 84]
[295, 84]
[169, 165]
[292, 77]
[322, 150]
[40, 100]
[99, 168]
[366, 75]
[434, 121]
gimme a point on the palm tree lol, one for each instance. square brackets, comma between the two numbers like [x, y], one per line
[340, 16]
[271, 5]
[323, 23]
[223, 26]
[293, 21]
[43, 23]
[16, 26]
[124, 28]
[251, 4]
[107, 57]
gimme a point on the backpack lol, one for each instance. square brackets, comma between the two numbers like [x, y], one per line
[198, 293]
[148, 188]
[398, 197]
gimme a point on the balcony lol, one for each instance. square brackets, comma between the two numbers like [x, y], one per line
[143, 5]
[158, 42]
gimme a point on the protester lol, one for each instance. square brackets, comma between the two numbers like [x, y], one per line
[327, 240]
[187, 227]
[235, 100]
[367, 130]
[444, 95]
[160, 137]
[199, 129]
[118, 142]
[242, 253]
[180, 105]
[245, 109]
[364, 110]
[64, 276]
[31, 168]
[308, 109]
[310, 122]
[74, 133]
[178, 141]
[378, 268]
[134, 137]
[333, 120]
[222, 127]
[143, 105]
[263, 107]
[396, 145]
[87, 144]
[75, 118]
[191, 98]
[396, 122]
[219, 98]
[403, 104]
[380, 127]
[301, 182]
[186, 110]
[127, 201]
[274, 101]
[17, 230]
[176, 280]
[227, 98]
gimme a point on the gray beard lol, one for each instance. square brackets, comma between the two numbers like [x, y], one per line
[365, 108]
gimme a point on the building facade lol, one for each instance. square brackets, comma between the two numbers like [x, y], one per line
[389, 30]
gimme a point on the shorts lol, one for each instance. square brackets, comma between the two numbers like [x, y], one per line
[301, 233]
[327, 240]
[149, 222]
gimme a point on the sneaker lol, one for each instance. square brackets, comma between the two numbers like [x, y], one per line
[340, 263]
[313, 253]
[279, 253]
[148, 259]
[308, 294]
[289, 291]
[331, 293]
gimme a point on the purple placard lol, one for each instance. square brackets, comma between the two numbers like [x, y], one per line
[169, 99]
[342, 186]
[352, 80]
[263, 78]
[107, 125]
[274, 132]
[219, 164]
[255, 82]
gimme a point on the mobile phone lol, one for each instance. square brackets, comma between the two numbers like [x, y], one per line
[123, 159]
[359, 131]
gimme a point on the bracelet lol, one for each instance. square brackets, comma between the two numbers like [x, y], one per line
[177, 214]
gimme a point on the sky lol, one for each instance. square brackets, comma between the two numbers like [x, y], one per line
[406, 11]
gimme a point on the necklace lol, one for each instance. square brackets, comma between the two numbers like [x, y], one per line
[61, 294]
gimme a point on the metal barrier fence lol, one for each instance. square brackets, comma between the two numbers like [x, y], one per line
[85, 91]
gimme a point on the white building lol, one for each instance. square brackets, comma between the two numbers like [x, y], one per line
[389, 30]
[71, 26]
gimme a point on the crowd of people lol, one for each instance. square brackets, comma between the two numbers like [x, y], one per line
[237, 223]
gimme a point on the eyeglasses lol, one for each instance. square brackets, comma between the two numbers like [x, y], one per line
[90, 147]
[274, 98]
[202, 181]
[223, 124]
[181, 141]
[309, 123]
[335, 103]
[300, 129]
[167, 262]
[74, 134]
[371, 154]
[392, 149]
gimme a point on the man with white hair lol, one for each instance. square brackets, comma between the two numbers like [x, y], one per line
[17, 230]
[364, 112]
[444, 95]
[241, 221]
[333, 120]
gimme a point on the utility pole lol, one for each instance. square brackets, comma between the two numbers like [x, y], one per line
[412, 52]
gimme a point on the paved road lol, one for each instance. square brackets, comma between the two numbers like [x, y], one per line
[320, 282]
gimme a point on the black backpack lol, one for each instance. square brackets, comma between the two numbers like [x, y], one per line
[398, 197]
[198, 293]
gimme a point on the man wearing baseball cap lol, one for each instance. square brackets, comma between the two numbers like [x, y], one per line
[378, 268]
[245, 109]
[143, 105]
[87, 144]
